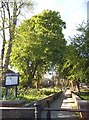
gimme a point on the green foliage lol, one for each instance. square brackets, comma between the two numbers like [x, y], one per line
[84, 94]
[38, 45]
[76, 65]
[9, 13]
[29, 94]
[11, 94]
[84, 97]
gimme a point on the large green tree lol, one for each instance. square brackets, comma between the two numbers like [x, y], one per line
[76, 64]
[81, 42]
[39, 43]
[9, 13]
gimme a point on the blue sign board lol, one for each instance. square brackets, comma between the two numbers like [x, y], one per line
[11, 79]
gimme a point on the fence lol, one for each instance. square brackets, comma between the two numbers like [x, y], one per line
[38, 109]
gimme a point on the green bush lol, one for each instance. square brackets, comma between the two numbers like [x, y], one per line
[28, 94]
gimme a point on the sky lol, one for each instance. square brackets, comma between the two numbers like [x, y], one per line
[73, 12]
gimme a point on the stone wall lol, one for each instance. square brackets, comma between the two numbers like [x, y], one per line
[43, 102]
[14, 103]
[17, 113]
[24, 111]
[82, 104]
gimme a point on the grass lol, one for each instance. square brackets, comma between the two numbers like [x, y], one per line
[84, 97]
[28, 94]
[83, 94]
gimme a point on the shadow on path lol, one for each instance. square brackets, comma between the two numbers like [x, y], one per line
[55, 104]
[64, 101]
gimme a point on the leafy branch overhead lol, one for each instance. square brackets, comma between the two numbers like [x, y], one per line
[40, 41]
[10, 11]
[76, 65]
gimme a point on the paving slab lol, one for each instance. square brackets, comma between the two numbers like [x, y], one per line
[63, 101]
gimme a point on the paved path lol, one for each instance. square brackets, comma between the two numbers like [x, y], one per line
[64, 101]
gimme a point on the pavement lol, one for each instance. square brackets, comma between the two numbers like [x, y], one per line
[64, 101]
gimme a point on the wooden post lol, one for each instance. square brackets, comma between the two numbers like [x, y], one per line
[48, 112]
[37, 111]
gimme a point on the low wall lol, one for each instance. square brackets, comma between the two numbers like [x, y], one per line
[43, 102]
[76, 98]
[14, 103]
[82, 104]
[17, 113]
[25, 112]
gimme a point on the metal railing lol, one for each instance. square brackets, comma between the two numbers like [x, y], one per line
[38, 110]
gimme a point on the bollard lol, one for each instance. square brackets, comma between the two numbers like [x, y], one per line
[48, 112]
[38, 110]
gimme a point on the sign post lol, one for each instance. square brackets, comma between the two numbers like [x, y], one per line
[16, 90]
[11, 79]
[6, 91]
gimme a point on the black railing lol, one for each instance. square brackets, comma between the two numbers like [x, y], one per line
[38, 109]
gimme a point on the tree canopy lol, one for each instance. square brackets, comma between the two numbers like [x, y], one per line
[9, 13]
[76, 65]
[39, 44]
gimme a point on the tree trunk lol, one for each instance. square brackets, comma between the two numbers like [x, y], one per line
[4, 42]
[31, 72]
[13, 9]
[8, 55]
[11, 32]
[30, 81]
